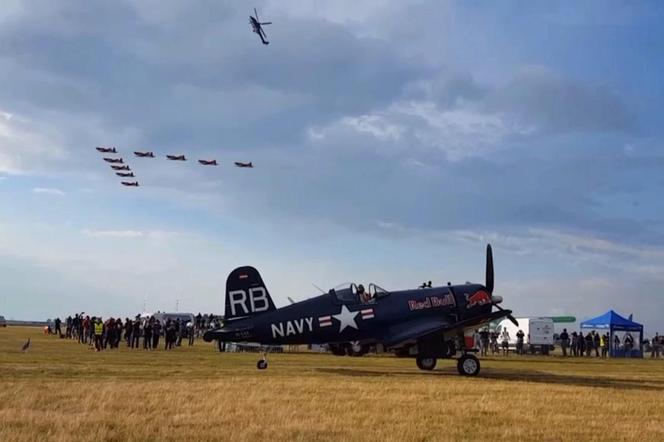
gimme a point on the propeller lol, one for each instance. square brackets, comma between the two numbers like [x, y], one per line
[489, 269]
[256, 14]
[489, 284]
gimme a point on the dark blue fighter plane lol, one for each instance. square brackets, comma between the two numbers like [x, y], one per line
[427, 324]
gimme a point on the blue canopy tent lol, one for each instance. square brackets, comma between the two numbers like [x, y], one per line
[616, 325]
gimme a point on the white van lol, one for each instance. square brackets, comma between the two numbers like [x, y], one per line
[538, 333]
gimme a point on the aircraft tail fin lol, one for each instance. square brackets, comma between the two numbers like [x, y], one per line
[246, 294]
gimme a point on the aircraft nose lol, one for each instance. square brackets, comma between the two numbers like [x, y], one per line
[496, 299]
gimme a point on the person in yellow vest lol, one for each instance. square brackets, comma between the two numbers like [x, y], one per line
[99, 331]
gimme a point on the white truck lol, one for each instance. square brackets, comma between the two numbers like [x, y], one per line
[538, 333]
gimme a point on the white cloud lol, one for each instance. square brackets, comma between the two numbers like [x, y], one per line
[589, 247]
[24, 143]
[411, 127]
[112, 233]
[48, 191]
[157, 235]
[375, 125]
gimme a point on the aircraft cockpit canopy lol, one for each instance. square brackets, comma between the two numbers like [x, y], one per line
[376, 291]
[349, 293]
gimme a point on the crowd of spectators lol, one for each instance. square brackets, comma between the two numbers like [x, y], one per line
[142, 332]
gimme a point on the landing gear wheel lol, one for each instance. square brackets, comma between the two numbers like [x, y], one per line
[468, 365]
[261, 365]
[357, 349]
[426, 363]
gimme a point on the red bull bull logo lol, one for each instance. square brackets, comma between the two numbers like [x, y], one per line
[478, 298]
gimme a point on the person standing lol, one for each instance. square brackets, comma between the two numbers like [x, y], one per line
[190, 332]
[484, 341]
[156, 332]
[505, 339]
[179, 329]
[136, 333]
[147, 334]
[170, 334]
[654, 346]
[57, 327]
[596, 343]
[118, 332]
[629, 344]
[98, 333]
[494, 342]
[564, 341]
[519, 342]
[127, 330]
[86, 329]
[589, 344]
[581, 344]
[199, 324]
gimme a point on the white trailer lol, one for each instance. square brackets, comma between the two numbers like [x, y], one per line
[538, 333]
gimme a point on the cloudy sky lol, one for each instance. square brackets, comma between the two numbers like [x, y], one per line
[392, 141]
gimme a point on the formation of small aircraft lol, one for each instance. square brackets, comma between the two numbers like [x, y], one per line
[257, 27]
[427, 324]
[124, 171]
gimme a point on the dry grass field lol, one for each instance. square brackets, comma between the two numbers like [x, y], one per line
[60, 390]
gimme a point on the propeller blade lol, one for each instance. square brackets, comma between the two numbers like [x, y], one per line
[510, 317]
[256, 13]
[489, 269]
[514, 321]
[267, 23]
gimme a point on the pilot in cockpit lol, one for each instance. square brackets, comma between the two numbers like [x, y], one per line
[365, 296]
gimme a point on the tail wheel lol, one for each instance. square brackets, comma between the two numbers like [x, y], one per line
[426, 363]
[468, 365]
[261, 365]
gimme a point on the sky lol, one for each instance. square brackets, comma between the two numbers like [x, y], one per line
[391, 142]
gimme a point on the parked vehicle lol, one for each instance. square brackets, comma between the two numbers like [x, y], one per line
[538, 333]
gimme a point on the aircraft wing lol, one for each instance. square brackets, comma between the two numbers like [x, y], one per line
[415, 328]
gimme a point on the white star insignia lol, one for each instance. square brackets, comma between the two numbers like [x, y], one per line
[346, 318]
